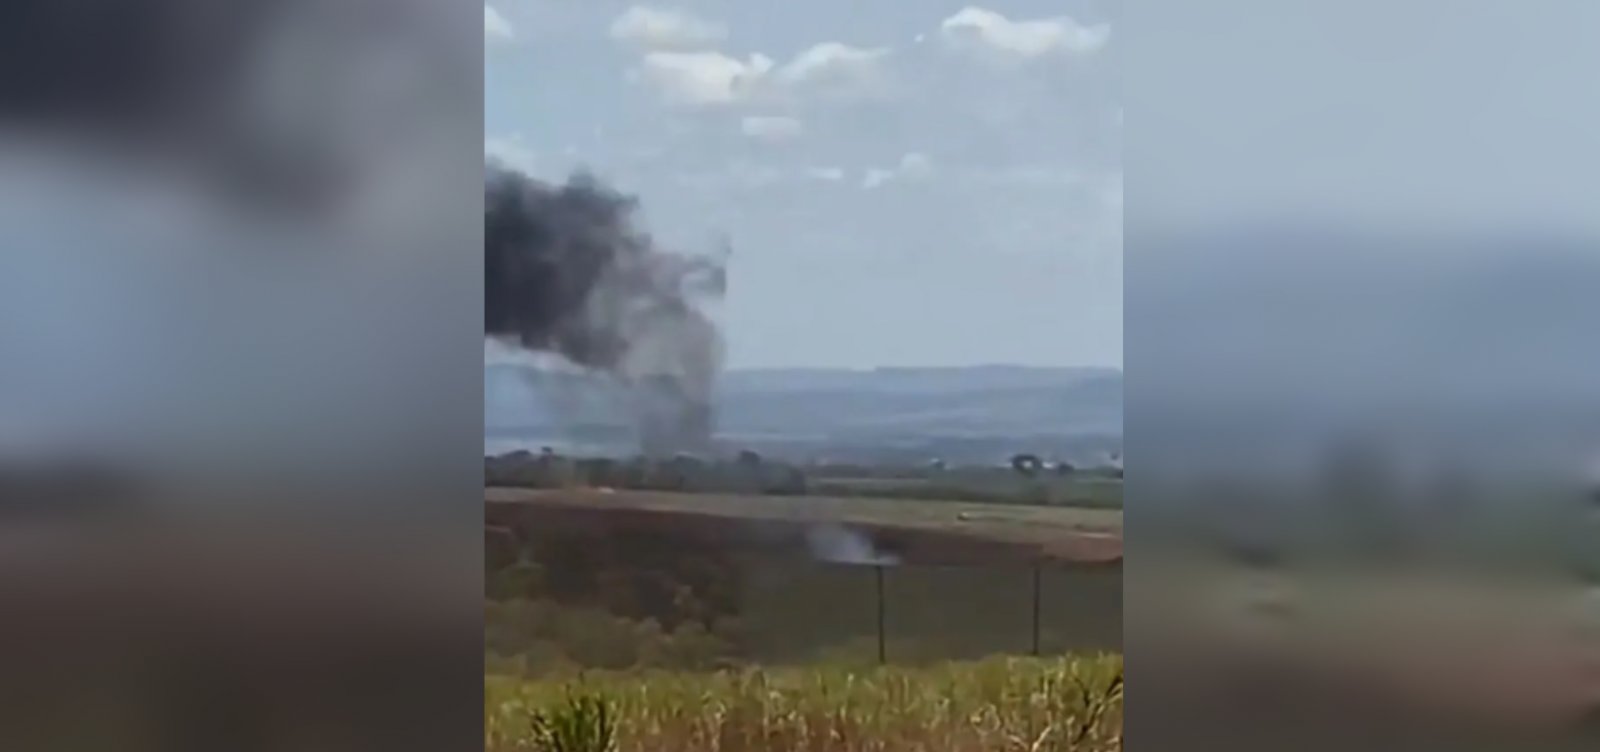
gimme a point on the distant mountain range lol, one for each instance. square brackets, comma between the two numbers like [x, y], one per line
[981, 413]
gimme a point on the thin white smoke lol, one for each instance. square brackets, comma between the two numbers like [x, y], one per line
[841, 545]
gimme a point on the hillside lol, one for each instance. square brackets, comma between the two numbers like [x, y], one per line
[967, 414]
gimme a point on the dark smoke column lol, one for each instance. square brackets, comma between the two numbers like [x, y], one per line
[566, 271]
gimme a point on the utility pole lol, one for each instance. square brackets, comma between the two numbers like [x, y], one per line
[1036, 575]
[882, 647]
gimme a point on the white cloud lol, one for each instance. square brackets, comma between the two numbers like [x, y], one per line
[511, 151]
[744, 175]
[495, 26]
[832, 60]
[982, 30]
[665, 28]
[912, 166]
[1029, 176]
[772, 128]
[756, 175]
[875, 177]
[703, 78]
[915, 165]
[836, 69]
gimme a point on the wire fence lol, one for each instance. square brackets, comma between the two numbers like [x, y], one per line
[903, 614]
[617, 606]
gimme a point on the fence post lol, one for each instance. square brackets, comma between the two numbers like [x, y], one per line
[882, 652]
[1036, 608]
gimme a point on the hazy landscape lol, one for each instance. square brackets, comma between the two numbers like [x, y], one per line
[966, 601]
[973, 415]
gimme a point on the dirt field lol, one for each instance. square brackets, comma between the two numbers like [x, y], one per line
[932, 532]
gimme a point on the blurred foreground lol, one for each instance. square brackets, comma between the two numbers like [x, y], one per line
[239, 388]
[1069, 704]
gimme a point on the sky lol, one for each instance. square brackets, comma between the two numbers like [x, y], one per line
[901, 184]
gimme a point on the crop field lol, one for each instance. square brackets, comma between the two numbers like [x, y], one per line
[1046, 705]
[640, 620]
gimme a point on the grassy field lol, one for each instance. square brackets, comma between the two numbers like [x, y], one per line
[645, 621]
[1099, 488]
[987, 487]
[999, 704]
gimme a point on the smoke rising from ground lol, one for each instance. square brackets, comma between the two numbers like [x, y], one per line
[841, 545]
[567, 271]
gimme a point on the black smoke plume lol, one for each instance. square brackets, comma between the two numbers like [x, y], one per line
[568, 271]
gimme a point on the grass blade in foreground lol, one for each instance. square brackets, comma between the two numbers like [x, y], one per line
[1070, 704]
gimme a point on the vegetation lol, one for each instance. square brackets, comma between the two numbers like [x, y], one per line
[1056, 704]
[565, 596]
[1027, 480]
[582, 723]
[777, 623]
[611, 631]
[1091, 491]
[748, 474]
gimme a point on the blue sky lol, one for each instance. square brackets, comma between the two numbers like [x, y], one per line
[908, 183]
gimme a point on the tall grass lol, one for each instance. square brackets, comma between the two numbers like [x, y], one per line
[1037, 705]
[582, 724]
